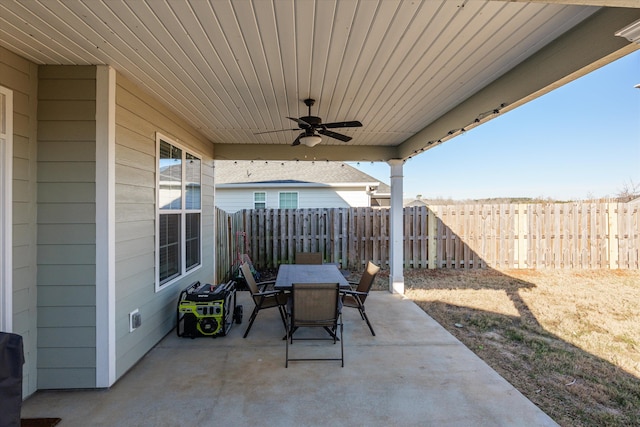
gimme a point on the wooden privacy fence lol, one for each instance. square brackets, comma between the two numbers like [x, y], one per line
[555, 235]
[541, 236]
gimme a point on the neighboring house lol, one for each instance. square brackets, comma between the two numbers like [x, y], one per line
[112, 214]
[418, 201]
[288, 184]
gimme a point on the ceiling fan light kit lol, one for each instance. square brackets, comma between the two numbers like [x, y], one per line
[310, 141]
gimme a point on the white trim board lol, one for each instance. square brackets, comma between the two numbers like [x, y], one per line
[105, 226]
[6, 209]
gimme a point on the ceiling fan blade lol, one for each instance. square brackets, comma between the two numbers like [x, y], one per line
[272, 131]
[336, 135]
[352, 124]
[300, 122]
[297, 140]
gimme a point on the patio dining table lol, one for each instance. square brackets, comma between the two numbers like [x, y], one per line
[288, 274]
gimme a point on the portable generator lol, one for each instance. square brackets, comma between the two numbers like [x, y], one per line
[207, 310]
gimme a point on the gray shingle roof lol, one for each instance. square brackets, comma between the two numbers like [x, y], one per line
[292, 172]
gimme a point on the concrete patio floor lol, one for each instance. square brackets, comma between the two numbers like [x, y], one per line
[412, 373]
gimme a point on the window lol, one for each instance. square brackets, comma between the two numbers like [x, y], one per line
[288, 200]
[259, 200]
[179, 211]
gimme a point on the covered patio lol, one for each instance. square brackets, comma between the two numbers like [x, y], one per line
[434, 380]
[99, 98]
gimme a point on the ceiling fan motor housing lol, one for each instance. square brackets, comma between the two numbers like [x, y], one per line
[312, 120]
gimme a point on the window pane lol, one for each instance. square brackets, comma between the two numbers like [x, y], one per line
[169, 246]
[170, 191]
[192, 240]
[288, 200]
[259, 200]
[192, 177]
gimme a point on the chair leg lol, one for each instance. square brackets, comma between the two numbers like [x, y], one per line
[286, 363]
[341, 342]
[251, 319]
[366, 318]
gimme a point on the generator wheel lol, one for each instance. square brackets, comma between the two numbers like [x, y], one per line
[237, 314]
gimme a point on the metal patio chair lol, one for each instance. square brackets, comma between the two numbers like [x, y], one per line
[356, 297]
[308, 258]
[315, 305]
[262, 298]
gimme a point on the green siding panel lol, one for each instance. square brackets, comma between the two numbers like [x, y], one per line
[66, 151]
[67, 213]
[61, 172]
[59, 337]
[138, 118]
[80, 131]
[74, 192]
[57, 274]
[66, 110]
[134, 230]
[21, 76]
[58, 296]
[66, 227]
[69, 89]
[66, 378]
[79, 234]
[65, 72]
[67, 357]
[68, 317]
[68, 254]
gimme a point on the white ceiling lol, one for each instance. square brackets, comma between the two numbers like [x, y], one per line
[412, 72]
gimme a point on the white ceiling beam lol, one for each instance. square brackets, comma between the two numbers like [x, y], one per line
[589, 46]
[320, 152]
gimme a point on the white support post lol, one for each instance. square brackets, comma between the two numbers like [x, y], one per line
[105, 226]
[396, 278]
[6, 210]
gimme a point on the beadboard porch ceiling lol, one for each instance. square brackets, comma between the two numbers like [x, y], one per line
[415, 73]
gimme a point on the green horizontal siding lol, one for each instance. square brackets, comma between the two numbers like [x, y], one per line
[66, 227]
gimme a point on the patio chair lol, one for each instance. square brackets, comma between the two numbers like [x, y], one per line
[308, 258]
[360, 290]
[262, 298]
[315, 305]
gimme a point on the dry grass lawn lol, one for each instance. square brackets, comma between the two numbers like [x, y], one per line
[568, 340]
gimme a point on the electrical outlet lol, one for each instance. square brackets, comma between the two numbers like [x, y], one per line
[135, 320]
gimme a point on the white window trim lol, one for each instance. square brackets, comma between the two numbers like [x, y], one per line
[6, 211]
[297, 193]
[184, 272]
[262, 201]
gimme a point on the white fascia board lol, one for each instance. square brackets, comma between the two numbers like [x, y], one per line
[298, 184]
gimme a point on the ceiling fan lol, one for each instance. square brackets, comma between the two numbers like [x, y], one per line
[312, 127]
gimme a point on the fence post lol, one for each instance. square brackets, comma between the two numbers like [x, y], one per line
[522, 233]
[432, 228]
[612, 212]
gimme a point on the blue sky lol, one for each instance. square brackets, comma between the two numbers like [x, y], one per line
[580, 141]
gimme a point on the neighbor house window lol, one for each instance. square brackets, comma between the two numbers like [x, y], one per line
[179, 211]
[288, 200]
[259, 200]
